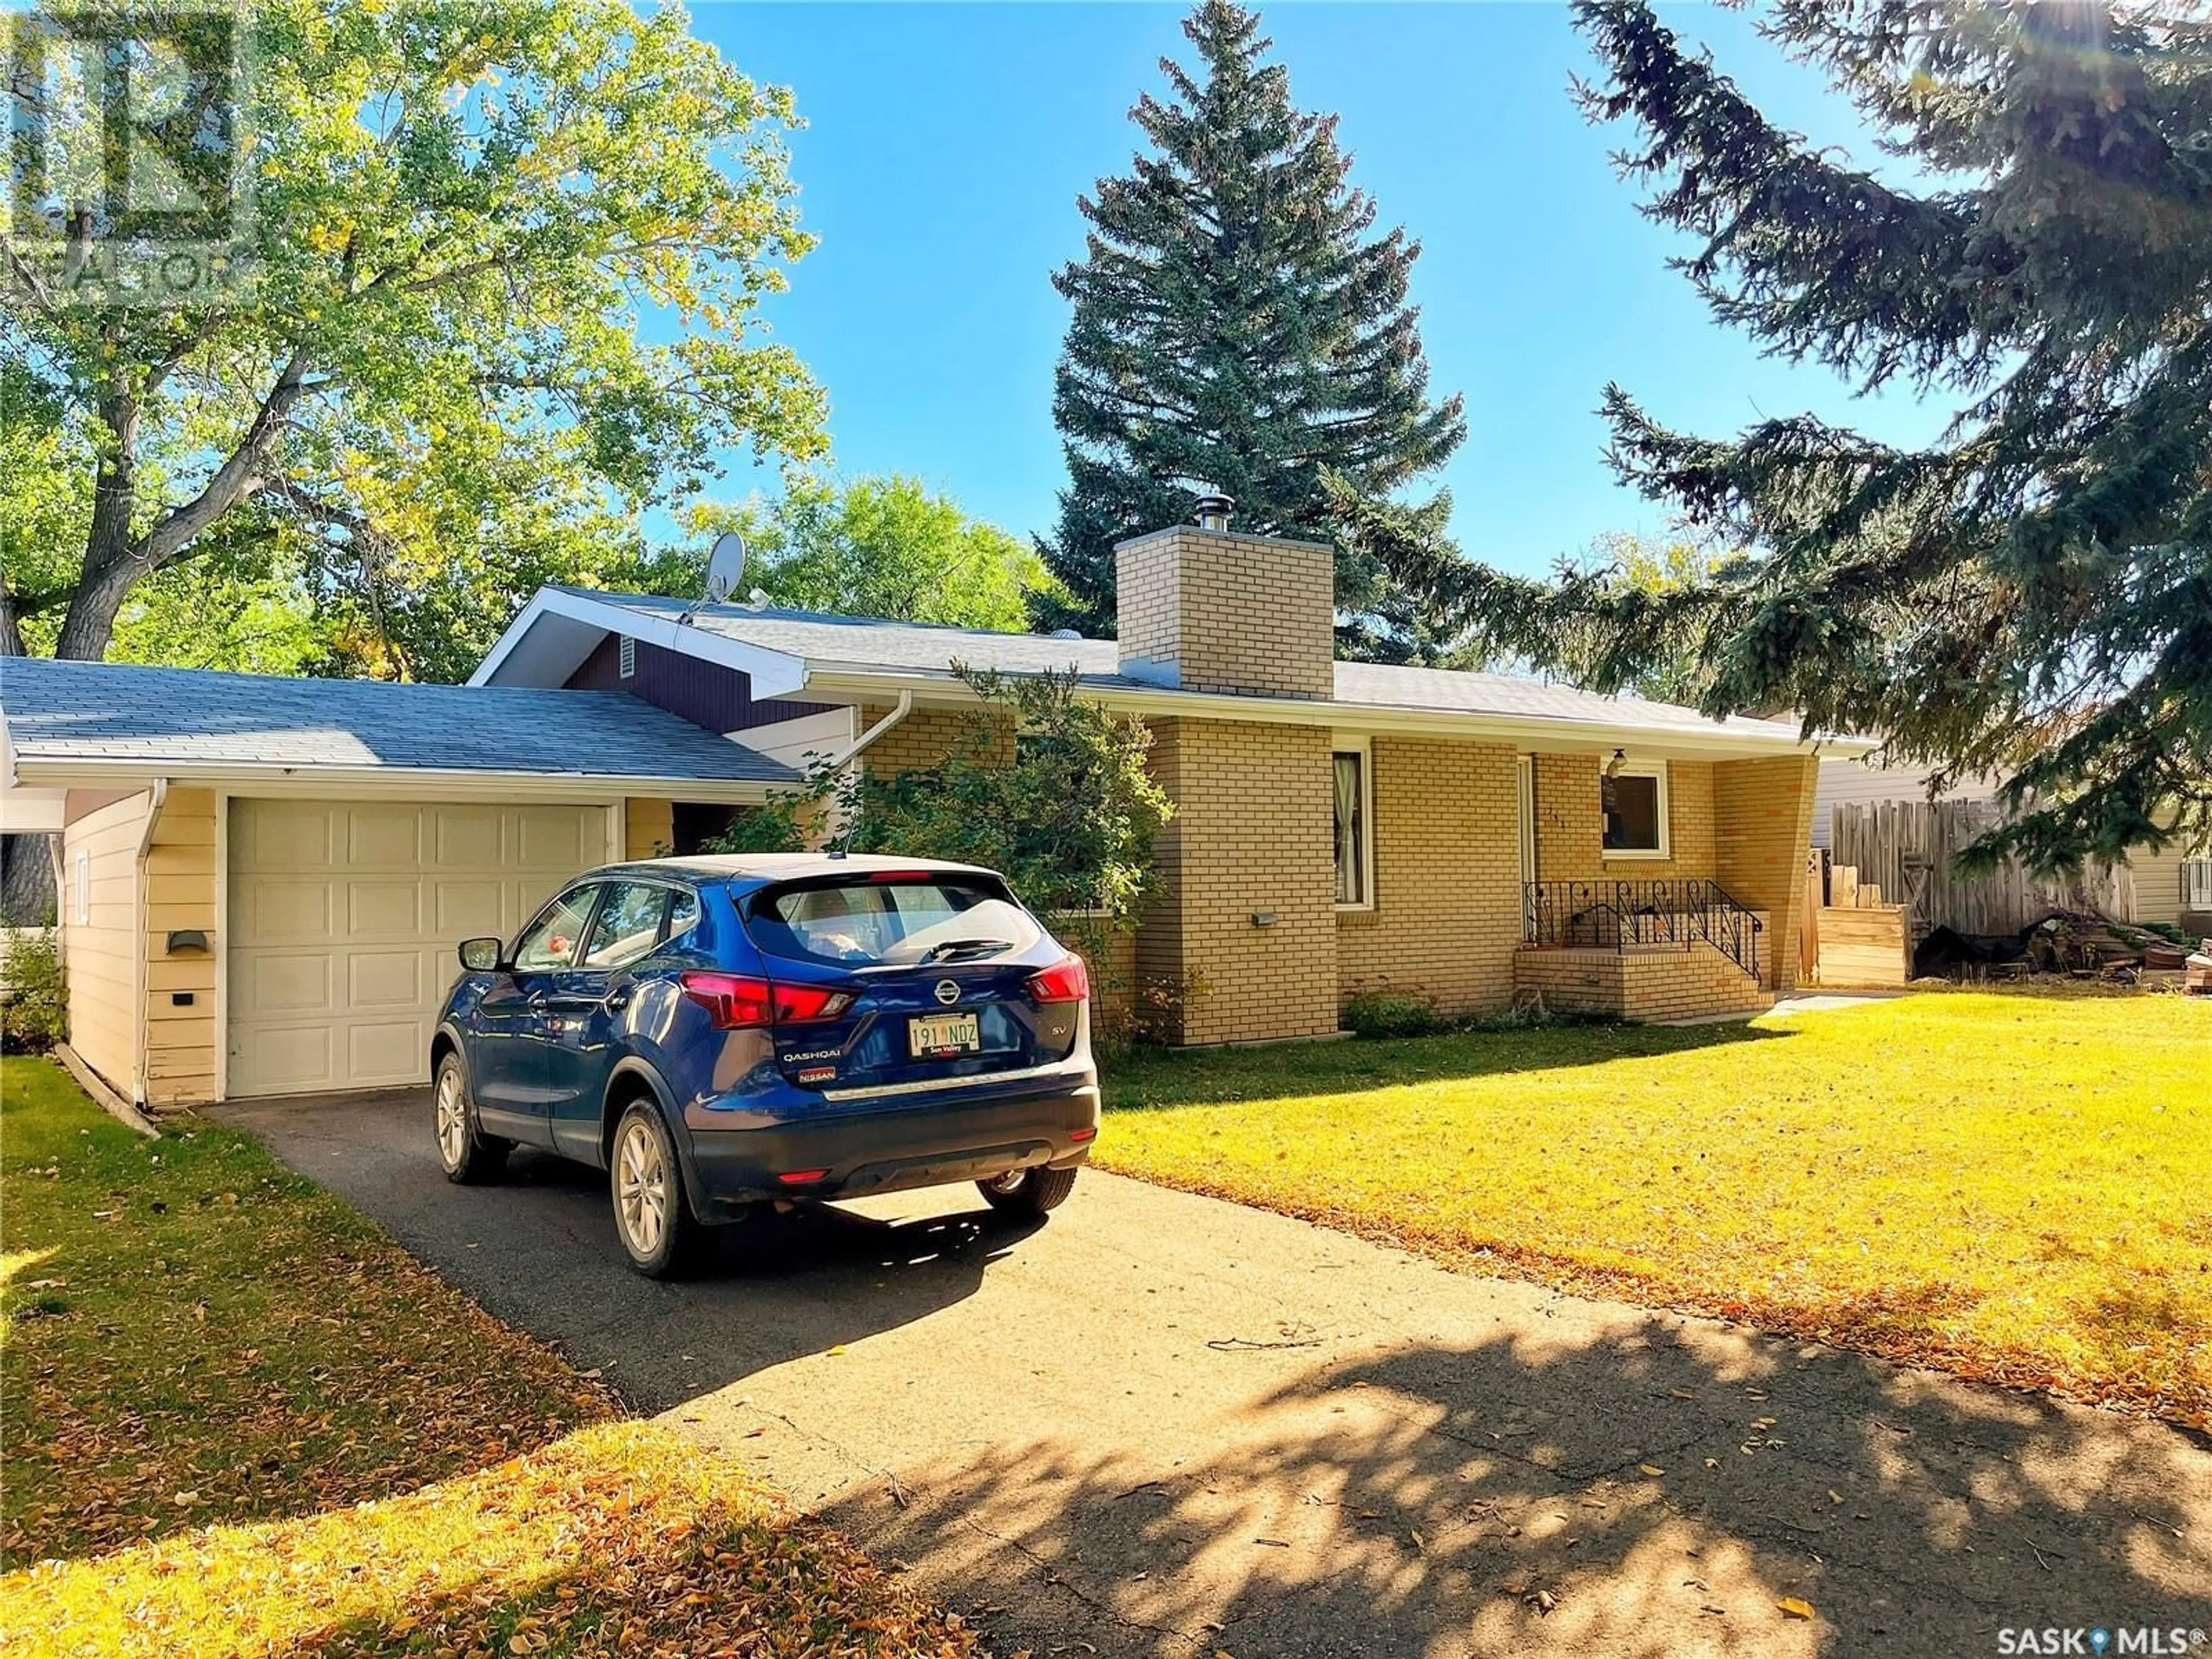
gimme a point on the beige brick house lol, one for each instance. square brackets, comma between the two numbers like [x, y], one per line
[263, 880]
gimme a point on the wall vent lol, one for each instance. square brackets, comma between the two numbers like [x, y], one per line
[628, 654]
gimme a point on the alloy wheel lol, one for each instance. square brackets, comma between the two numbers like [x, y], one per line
[641, 1189]
[453, 1119]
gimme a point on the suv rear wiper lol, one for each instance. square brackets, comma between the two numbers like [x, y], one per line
[955, 946]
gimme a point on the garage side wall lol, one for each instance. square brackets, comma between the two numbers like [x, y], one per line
[180, 884]
[100, 862]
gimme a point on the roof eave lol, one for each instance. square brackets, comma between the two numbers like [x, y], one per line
[832, 680]
[101, 771]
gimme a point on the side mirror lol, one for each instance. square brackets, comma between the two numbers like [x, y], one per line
[481, 956]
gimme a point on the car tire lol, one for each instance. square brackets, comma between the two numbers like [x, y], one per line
[653, 1214]
[469, 1156]
[1028, 1192]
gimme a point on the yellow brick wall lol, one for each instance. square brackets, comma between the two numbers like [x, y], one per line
[180, 884]
[1447, 914]
[1639, 985]
[1764, 809]
[923, 739]
[1251, 834]
[648, 827]
[1226, 612]
[1570, 821]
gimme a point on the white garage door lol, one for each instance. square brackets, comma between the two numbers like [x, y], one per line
[343, 917]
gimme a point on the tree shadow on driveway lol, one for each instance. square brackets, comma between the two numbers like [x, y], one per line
[1665, 1489]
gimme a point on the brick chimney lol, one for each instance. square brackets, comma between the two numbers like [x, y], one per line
[1205, 608]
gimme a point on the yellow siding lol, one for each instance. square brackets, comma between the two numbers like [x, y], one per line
[648, 828]
[2158, 883]
[102, 953]
[181, 887]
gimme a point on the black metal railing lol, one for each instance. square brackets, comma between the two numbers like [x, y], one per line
[1621, 916]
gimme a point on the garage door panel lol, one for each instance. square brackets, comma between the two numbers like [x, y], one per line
[384, 837]
[463, 836]
[284, 835]
[465, 910]
[284, 984]
[344, 917]
[384, 909]
[551, 839]
[285, 910]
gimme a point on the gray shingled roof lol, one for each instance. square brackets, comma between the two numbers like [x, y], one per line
[195, 717]
[864, 644]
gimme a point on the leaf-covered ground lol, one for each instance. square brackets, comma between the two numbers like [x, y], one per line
[238, 1420]
[2009, 1187]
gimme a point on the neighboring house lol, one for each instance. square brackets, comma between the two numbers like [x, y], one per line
[2169, 885]
[264, 879]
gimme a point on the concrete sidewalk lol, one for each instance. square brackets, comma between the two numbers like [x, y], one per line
[1164, 1425]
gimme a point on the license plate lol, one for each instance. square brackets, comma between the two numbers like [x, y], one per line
[942, 1034]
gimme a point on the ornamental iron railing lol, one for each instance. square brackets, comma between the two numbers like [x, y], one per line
[1626, 916]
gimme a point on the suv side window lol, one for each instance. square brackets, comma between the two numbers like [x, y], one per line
[629, 925]
[548, 943]
[682, 913]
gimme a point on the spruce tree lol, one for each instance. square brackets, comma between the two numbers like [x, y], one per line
[2031, 593]
[1238, 325]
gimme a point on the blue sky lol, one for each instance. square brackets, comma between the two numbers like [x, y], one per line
[946, 145]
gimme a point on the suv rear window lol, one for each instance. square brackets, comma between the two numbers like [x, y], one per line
[890, 921]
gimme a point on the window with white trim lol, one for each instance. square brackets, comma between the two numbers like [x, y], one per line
[1352, 777]
[80, 883]
[1633, 798]
[2197, 884]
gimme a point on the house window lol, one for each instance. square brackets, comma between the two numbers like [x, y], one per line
[627, 652]
[80, 883]
[1634, 796]
[2197, 884]
[1355, 813]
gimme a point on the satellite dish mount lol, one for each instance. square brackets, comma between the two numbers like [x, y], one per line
[725, 563]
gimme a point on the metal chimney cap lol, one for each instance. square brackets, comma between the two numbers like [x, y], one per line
[1213, 510]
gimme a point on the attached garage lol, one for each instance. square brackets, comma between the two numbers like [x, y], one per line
[263, 879]
[344, 915]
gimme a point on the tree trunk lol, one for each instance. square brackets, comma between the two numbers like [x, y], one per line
[27, 885]
[113, 563]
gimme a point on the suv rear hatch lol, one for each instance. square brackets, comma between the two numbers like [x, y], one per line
[895, 977]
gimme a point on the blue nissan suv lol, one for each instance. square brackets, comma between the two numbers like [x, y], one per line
[722, 1031]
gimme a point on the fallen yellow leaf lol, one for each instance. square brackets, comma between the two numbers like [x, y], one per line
[1651, 1469]
[1794, 1608]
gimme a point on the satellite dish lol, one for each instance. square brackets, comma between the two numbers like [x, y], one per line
[725, 564]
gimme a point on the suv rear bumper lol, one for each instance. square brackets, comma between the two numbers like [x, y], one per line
[905, 1145]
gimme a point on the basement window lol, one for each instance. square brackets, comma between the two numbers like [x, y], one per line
[1355, 816]
[627, 655]
[1634, 796]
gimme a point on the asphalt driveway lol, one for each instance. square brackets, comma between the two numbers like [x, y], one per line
[1164, 1425]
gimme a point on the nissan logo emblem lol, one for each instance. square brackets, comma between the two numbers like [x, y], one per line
[948, 992]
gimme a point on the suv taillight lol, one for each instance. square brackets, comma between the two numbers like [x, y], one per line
[739, 1001]
[1065, 980]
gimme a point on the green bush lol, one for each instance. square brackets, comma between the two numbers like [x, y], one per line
[37, 1013]
[1386, 1013]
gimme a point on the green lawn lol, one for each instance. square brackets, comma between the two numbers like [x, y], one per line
[239, 1418]
[2010, 1186]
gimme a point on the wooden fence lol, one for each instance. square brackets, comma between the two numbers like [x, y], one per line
[1907, 848]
